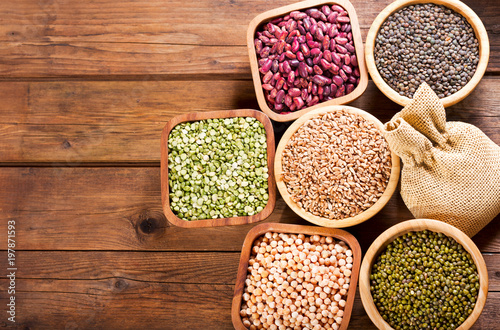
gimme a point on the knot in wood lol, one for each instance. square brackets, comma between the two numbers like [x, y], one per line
[149, 225]
[120, 285]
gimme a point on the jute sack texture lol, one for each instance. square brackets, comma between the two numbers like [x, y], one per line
[451, 170]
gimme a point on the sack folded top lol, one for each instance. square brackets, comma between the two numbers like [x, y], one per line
[451, 170]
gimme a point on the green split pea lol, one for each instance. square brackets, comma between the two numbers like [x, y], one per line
[218, 168]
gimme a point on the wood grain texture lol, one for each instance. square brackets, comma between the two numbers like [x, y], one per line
[155, 266]
[197, 116]
[121, 122]
[101, 208]
[126, 304]
[86, 88]
[152, 37]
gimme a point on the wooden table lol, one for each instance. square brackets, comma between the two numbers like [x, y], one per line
[85, 90]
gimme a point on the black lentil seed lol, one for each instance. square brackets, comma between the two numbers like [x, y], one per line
[432, 42]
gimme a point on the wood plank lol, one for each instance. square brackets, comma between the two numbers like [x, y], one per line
[122, 303]
[82, 122]
[164, 267]
[41, 39]
[101, 208]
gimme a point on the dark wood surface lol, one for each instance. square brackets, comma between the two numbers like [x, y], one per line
[86, 88]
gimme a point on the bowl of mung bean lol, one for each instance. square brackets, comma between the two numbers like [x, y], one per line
[306, 55]
[293, 276]
[423, 274]
[217, 168]
[334, 168]
[442, 43]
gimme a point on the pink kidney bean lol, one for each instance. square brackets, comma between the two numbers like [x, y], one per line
[307, 57]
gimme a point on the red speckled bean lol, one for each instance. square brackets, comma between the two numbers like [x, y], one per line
[341, 49]
[341, 41]
[338, 8]
[332, 18]
[267, 77]
[354, 60]
[347, 59]
[305, 50]
[327, 55]
[304, 94]
[350, 48]
[347, 69]
[315, 51]
[291, 78]
[295, 45]
[314, 100]
[336, 58]
[317, 70]
[333, 89]
[343, 19]
[326, 10]
[321, 80]
[340, 91]
[298, 102]
[266, 66]
[290, 55]
[267, 87]
[343, 75]
[337, 80]
[325, 64]
[280, 96]
[294, 92]
[334, 69]
[280, 83]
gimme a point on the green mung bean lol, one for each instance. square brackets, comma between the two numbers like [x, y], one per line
[218, 168]
[424, 280]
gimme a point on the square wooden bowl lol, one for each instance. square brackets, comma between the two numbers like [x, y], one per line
[379, 245]
[261, 229]
[196, 116]
[282, 11]
[457, 6]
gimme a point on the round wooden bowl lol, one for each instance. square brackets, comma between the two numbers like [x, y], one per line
[457, 6]
[282, 11]
[417, 225]
[165, 190]
[325, 222]
[261, 229]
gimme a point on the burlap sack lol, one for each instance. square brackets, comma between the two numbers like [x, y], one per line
[451, 170]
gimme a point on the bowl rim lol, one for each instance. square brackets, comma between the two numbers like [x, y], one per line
[401, 228]
[263, 228]
[281, 11]
[197, 116]
[347, 222]
[457, 6]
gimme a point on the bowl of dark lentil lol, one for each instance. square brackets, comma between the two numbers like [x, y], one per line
[217, 168]
[306, 55]
[442, 43]
[423, 274]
